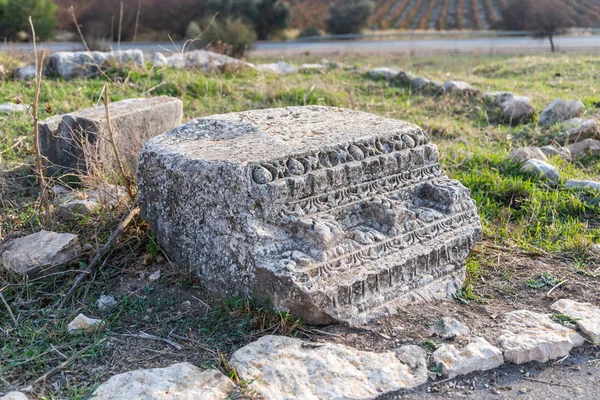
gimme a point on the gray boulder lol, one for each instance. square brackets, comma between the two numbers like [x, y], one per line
[477, 355]
[561, 110]
[280, 68]
[425, 86]
[39, 253]
[69, 65]
[589, 129]
[562, 152]
[206, 61]
[580, 185]
[404, 78]
[25, 73]
[384, 73]
[12, 108]
[541, 169]
[459, 88]
[523, 154]
[497, 98]
[518, 109]
[585, 148]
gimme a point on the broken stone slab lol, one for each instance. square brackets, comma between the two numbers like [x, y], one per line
[523, 154]
[281, 68]
[580, 185]
[206, 61]
[561, 110]
[70, 65]
[384, 73]
[82, 323]
[585, 148]
[586, 316]
[529, 336]
[287, 368]
[40, 252]
[12, 108]
[459, 88]
[335, 215]
[75, 142]
[181, 381]
[477, 355]
[450, 328]
[541, 169]
[562, 152]
[517, 110]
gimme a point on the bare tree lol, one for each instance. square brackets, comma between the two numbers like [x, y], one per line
[548, 18]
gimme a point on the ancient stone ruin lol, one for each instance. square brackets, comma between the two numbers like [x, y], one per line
[334, 215]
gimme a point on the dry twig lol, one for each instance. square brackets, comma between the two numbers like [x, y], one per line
[12, 316]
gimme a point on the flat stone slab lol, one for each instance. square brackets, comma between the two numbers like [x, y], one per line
[335, 215]
[40, 252]
[287, 368]
[76, 64]
[181, 381]
[530, 336]
[77, 141]
[477, 355]
[586, 316]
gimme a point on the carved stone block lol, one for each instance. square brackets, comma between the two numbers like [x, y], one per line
[332, 214]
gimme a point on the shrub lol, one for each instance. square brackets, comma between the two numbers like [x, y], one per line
[14, 16]
[309, 31]
[352, 17]
[227, 36]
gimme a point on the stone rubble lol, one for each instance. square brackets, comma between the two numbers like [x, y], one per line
[384, 73]
[105, 302]
[287, 368]
[585, 148]
[560, 110]
[312, 68]
[39, 253]
[517, 110]
[181, 381]
[202, 60]
[70, 65]
[459, 88]
[562, 152]
[74, 204]
[25, 73]
[589, 129]
[580, 185]
[586, 316]
[281, 68]
[541, 169]
[524, 154]
[450, 328]
[14, 396]
[477, 355]
[529, 336]
[12, 108]
[82, 323]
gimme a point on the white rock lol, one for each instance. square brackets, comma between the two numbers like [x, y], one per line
[280, 67]
[586, 316]
[77, 207]
[205, 61]
[71, 65]
[541, 169]
[154, 276]
[498, 98]
[517, 110]
[312, 68]
[585, 130]
[287, 368]
[384, 73]
[523, 154]
[529, 336]
[579, 185]
[478, 355]
[595, 248]
[181, 381]
[105, 302]
[562, 152]
[449, 328]
[14, 396]
[459, 87]
[585, 148]
[83, 323]
[159, 60]
[12, 108]
[25, 73]
[572, 123]
[560, 110]
[42, 251]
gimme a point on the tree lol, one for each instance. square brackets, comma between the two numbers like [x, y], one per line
[351, 17]
[14, 15]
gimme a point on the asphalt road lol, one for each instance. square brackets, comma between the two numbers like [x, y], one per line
[589, 44]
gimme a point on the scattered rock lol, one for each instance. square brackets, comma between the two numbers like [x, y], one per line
[159, 60]
[517, 110]
[384, 73]
[206, 61]
[530, 336]
[572, 123]
[72, 142]
[14, 396]
[523, 154]
[560, 110]
[478, 355]
[83, 323]
[421, 85]
[73, 204]
[562, 152]
[292, 369]
[589, 129]
[69, 65]
[459, 88]
[580, 185]
[404, 78]
[154, 276]
[541, 169]
[280, 67]
[595, 247]
[497, 98]
[181, 381]
[25, 73]
[75, 208]
[40, 252]
[312, 68]
[585, 148]
[449, 328]
[105, 302]
[12, 108]
[586, 316]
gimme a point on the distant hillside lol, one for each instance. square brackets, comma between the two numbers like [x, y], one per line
[432, 14]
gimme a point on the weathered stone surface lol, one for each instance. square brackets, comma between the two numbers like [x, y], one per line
[562, 152]
[105, 302]
[72, 204]
[25, 73]
[530, 336]
[12, 108]
[331, 213]
[79, 140]
[595, 247]
[450, 328]
[83, 323]
[497, 98]
[78, 207]
[586, 316]
[459, 88]
[420, 84]
[287, 368]
[523, 154]
[40, 252]
[280, 67]
[312, 68]
[384, 73]
[589, 129]
[404, 78]
[575, 184]
[541, 169]
[14, 396]
[561, 110]
[517, 110]
[477, 355]
[585, 148]
[181, 381]
[203, 60]
[71, 65]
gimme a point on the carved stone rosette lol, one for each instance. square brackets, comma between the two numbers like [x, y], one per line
[332, 214]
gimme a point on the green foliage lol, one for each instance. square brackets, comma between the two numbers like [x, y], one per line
[231, 36]
[565, 318]
[309, 31]
[14, 16]
[193, 30]
[352, 17]
[546, 279]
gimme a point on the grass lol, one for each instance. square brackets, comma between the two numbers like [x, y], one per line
[517, 211]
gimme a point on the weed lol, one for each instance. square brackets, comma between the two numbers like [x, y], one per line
[546, 279]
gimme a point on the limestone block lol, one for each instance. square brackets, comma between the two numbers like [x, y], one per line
[589, 129]
[12, 108]
[203, 60]
[562, 152]
[517, 110]
[384, 73]
[529, 336]
[71, 65]
[83, 323]
[585, 148]
[586, 316]
[541, 169]
[523, 154]
[40, 252]
[477, 355]
[76, 141]
[561, 110]
[181, 381]
[280, 67]
[14, 396]
[459, 88]
[580, 185]
[450, 328]
[26, 73]
[497, 98]
[287, 368]
[335, 215]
